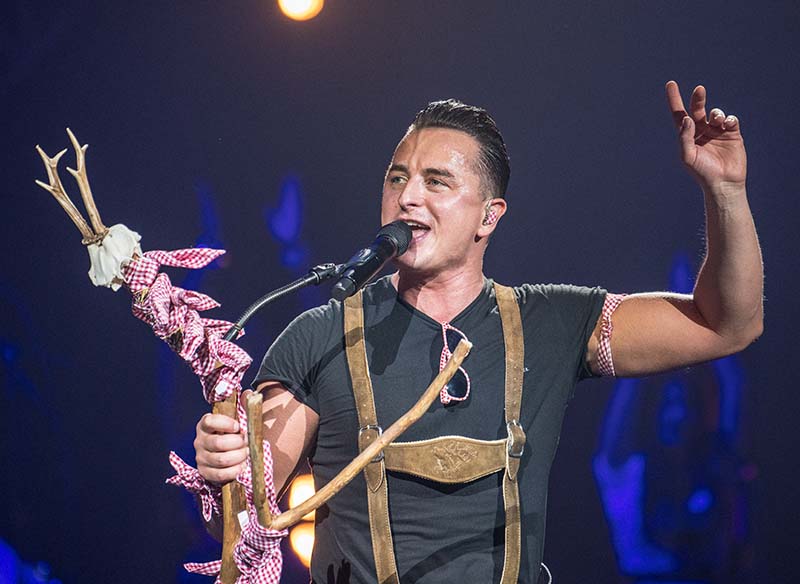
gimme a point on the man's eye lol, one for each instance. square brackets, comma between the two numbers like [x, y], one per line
[436, 182]
[395, 180]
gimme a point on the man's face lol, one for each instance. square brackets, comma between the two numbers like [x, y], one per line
[434, 184]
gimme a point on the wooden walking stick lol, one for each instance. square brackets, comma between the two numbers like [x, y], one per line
[113, 248]
[110, 249]
[255, 432]
[233, 503]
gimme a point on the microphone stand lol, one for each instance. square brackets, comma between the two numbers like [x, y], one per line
[315, 275]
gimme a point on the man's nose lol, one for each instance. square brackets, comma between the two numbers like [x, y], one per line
[412, 195]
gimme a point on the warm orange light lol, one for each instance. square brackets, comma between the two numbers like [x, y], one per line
[301, 9]
[302, 539]
[302, 488]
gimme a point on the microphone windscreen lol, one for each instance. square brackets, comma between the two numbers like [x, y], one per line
[399, 232]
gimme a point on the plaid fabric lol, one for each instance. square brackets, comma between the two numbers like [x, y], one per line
[190, 479]
[258, 553]
[142, 272]
[444, 396]
[173, 314]
[605, 363]
[205, 568]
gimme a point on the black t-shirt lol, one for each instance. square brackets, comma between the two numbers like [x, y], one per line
[442, 533]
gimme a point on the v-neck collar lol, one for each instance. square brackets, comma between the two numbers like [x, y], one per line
[485, 292]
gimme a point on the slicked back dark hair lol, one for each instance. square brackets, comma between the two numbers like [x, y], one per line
[494, 165]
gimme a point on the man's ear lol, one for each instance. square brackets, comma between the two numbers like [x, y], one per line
[493, 211]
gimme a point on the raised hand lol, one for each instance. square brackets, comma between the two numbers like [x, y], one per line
[711, 144]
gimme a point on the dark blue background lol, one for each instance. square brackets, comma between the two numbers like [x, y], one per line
[178, 98]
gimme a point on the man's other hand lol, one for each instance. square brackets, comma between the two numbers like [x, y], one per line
[711, 144]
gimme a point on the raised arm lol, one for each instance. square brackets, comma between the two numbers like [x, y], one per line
[659, 331]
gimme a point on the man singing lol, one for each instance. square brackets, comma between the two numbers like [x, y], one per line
[463, 497]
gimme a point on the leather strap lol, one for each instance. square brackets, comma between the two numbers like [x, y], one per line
[375, 472]
[447, 459]
[515, 363]
[515, 348]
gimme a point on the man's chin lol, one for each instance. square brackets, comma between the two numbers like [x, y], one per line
[415, 267]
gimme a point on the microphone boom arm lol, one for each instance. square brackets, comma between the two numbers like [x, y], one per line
[315, 275]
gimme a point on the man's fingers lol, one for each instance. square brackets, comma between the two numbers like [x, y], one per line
[222, 460]
[221, 442]
[716, 118]
[219, 475]
[675, 103]
[217, 423]
[731, 123]
[697, 105]
[686, 136]
[220, 447]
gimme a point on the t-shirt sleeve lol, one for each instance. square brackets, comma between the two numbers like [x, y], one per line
[298, 354]
[577, 309]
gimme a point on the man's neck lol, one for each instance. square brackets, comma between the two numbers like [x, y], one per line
[442, 297]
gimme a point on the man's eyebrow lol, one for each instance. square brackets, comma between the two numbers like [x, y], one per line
[438, 172]
[428, 171]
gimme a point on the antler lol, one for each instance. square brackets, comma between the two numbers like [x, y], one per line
[92, 234]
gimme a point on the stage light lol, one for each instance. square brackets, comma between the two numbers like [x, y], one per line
[302, 488]
[301, 9]
[302, 539]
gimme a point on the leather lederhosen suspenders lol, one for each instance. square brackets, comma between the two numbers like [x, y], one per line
[446, 459]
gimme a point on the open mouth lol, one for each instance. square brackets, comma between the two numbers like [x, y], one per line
[418, 230]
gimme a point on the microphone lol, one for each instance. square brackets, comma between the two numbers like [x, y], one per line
[392, 240]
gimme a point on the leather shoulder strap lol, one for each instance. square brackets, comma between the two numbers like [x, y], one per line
[356, 351]
[368, 432]
[515, 348]
[515, 364]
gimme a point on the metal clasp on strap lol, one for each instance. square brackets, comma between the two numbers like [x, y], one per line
[379, 430]
[516, 439]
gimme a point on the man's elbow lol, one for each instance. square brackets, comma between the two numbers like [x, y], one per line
[756, 330]
[746, 336]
